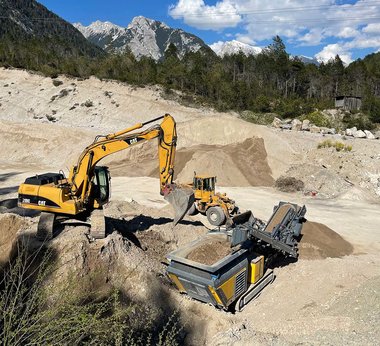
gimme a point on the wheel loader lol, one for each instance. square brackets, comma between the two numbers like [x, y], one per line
[87, 189]
[216, 206]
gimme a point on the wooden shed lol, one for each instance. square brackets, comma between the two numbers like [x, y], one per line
[348, 103]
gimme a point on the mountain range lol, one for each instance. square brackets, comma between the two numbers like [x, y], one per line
[151, 38]
[234, 47]
[143, 36]
[29, 21]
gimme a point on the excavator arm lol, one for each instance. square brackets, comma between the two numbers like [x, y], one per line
[82, 173]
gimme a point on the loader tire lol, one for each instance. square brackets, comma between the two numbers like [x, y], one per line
[216, 216]
[193, 210]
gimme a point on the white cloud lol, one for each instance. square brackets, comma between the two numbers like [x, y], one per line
[373, 28]
[302, 22]
[223, 14]
[347, 32]
[331, 51]
[311, 38]
[245, 39]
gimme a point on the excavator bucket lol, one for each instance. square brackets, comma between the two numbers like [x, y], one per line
[181, 199]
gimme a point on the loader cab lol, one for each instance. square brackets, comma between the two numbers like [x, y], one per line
[204, 186]
[102, 185]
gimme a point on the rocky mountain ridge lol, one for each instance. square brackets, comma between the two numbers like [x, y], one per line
[143, 36]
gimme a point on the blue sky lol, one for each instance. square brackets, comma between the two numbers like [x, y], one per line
[321, 28]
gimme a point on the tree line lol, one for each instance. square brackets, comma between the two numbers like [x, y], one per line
[271, 81]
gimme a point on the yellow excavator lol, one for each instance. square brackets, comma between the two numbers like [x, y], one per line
[87, 189]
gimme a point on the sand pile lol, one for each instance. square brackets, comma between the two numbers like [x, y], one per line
[240, 164]
[317, 178]
[319, 242]
[211, 252]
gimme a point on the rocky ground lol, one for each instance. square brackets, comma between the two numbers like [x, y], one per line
[331, 295]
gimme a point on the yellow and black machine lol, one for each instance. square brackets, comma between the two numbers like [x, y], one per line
[216, 206]
[87, 189]
[235, 279]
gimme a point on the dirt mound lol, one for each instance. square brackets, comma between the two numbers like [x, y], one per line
[211, 252]
[240, 164]
[319, 242]
[326, 182]
[10, 224]
[289, 184]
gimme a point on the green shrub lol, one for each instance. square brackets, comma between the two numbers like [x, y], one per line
[339, 146]
[358, 120]
[35, 312]
[328, 143]
[318, 119]
[258, 118]
[261, 104]
[290, 107]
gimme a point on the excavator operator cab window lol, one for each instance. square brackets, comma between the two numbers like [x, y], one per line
[101, 182]
[198, 183]
[209, 184]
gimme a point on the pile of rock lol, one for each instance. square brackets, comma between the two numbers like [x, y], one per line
[306, 125]
[298, 125]
[354, 132]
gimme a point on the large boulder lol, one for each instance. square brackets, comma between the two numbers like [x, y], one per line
[326, 130]
[360, 134]
[296, 125]
[305, 125]
[286, 126]
[369, 134]
[315, 129]
[351, 131]
[277, 123]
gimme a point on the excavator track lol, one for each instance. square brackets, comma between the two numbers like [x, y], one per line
[45, 226]
[98, 224]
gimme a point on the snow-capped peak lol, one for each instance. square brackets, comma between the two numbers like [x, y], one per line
[143, 36]
[305, 59]
[98, 27]
[234, 47]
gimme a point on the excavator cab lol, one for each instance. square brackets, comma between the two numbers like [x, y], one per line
[102, 186]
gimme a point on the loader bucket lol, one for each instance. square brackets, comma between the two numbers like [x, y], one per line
[181, 199]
